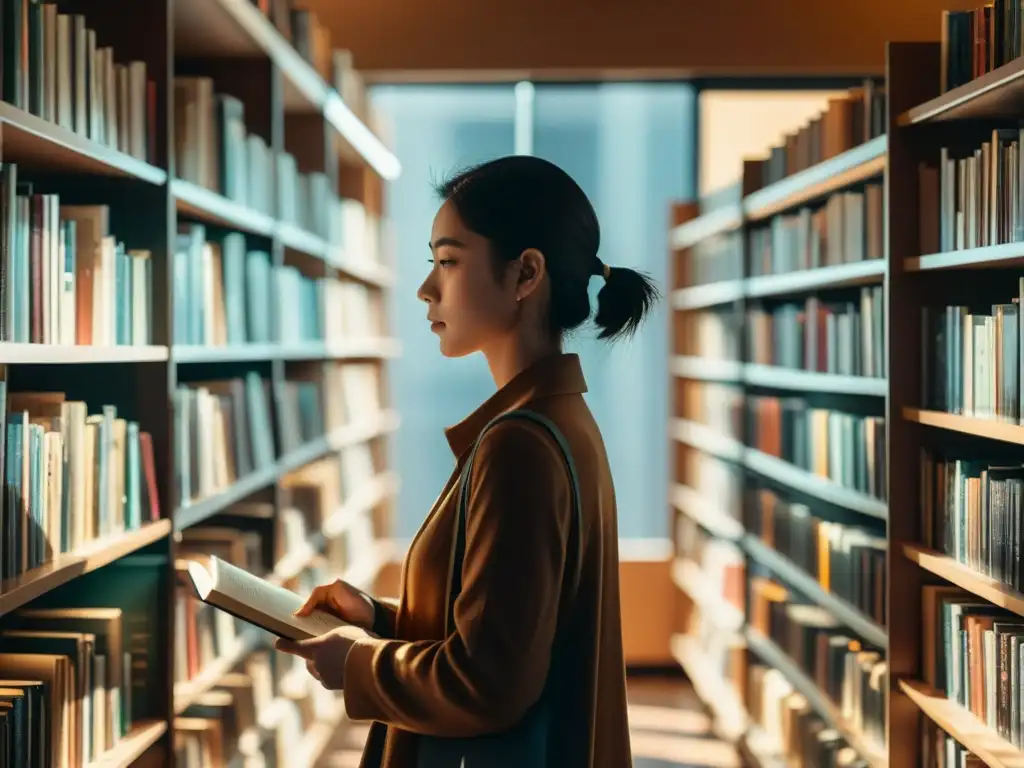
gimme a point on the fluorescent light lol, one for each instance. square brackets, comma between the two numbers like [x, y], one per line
[524, 118]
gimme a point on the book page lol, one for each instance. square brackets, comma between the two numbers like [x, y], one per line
[257, 601]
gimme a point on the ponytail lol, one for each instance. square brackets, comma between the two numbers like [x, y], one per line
[623, 302]
[521, 202]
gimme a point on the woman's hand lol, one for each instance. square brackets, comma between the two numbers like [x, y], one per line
[325, 655]
[342, 600]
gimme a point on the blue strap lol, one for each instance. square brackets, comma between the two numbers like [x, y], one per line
[459, 543]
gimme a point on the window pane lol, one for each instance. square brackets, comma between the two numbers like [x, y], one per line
[631, 147]
[436, 130]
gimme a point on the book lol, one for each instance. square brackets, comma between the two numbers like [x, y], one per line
[256, 601]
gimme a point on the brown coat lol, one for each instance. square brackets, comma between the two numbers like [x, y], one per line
[485, 675]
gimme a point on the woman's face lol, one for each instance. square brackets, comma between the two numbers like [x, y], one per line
[468, 305]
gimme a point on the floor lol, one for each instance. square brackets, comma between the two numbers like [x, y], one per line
[669, 729]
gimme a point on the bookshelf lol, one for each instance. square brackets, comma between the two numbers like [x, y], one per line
[771, 502]
[194, 352]
[943, 508]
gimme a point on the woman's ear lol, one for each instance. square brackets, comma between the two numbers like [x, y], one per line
[532, 266]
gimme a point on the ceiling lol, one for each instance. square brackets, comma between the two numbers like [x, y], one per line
[402, 40]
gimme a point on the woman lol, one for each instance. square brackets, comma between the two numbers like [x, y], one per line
[514, 247]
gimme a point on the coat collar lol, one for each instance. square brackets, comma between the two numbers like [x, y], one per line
[559, 374]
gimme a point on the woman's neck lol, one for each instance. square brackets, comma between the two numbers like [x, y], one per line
[512, 356]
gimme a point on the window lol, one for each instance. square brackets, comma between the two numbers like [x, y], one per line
[631, 147]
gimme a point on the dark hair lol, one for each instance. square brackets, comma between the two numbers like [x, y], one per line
[521, 202]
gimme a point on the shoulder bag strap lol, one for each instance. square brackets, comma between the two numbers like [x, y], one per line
[459, 544]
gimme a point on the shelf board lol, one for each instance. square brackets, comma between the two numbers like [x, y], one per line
[317, 738]
[967, 425]
[364, 270]
[357, 349]
[303, 455]
[709, 295]
[706, 225]
[212, 208]
[705, 512]
[379, 424]
[359, 139]
[196, 511]
[819, 487]
[210, 28]
[755, 747]
[363, 573]
[809, 587]
[706, 439]
[808, 280]
[844, 170]
[79, 354]
[19, 591]
[142, 736]
[304, 350]
[187, 692]
[236, 29]
[989, 746]
[774, 656]
[383, 486]
[298, 239]
[1000, 256]
[184, 354]
[692, 580]
[720, 696]
[966, 578]
[44, 145]
[705, 369]
[776, 377]
[344, 349]
[995, 95]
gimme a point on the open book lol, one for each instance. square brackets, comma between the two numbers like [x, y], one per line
[257, 601]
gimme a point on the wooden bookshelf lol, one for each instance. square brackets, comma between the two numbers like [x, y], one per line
[819, 701]
[812, 485]
[725, 292]
[689, 577]
[949, 570]
[808, 280]
[864, 162]
[23, 589]
[718, 294]
[776, 377]
[966, 425]
[994, 751]
[992, 256]
[810, 586]
[142, 736]
[705, 513]
[995, 95]
[30, 139]
[270, 197]
[719, 220]
[724, 701]
[971, 270]
[924, 274]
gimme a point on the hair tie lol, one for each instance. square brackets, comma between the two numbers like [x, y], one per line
[606, 270]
